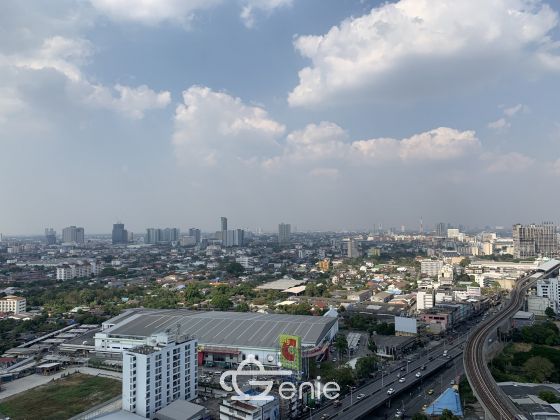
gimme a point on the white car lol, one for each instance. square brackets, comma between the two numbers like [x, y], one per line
[390, 391]
[360, 396]
[402, 379]
[418, 374]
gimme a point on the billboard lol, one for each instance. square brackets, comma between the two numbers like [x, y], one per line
[405, 326]
[290, 352]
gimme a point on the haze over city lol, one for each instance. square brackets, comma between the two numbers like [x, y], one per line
[329, 114]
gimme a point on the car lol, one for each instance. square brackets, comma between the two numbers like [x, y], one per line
[325, 417]
[452, 382]
[390, 391]
[403, 369]
[430, 391]
[337, 403]
[424, 407]
[418, 374]
[423, 367]
[402, 379]
[399, 414]
[444, 353]
[360, 396]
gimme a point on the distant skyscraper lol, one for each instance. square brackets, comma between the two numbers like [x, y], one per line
[535, 240]
[120, 234]
[284, 233]
[162, 236]
[223, 221]
[441, 230]
[73, 234]
[234, 237]
[50, 236]
[352, 250]
[195, 233]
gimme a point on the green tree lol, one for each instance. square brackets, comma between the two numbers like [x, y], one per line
[549, 312]
[341, 345]
[549, 396]
[235, 269]
[221, 302]
[372, 346]
[538, 369]
[242, 307]
[365, 366]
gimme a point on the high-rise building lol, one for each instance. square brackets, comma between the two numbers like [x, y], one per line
[73, 234]
[441, 230]
[233, 237]
[431, 267]
[195, 233]
[535, 240]
[284, 233]
[120, 234]
[550, 288]
[50, 236]
[352, 250]
[162, 236]
[223, 222]
[157, 374]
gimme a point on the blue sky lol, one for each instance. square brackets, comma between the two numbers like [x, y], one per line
[329, 114]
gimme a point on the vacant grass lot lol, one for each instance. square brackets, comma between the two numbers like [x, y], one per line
[61, 399]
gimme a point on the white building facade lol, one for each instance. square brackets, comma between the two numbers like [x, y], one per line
[549, 288]
[14, 304]
[156, 375]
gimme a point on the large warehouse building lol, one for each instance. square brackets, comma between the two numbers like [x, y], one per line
[224, 338]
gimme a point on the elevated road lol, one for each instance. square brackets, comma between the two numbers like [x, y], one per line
[375, 393]
[496, 404]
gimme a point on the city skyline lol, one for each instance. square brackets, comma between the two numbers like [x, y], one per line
[137, 108]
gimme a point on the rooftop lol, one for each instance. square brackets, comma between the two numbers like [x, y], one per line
[237, 329]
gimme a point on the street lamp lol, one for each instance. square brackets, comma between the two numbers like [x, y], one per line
[310, 411]
[352, 388]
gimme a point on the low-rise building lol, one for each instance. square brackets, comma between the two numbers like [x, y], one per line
[13, 304]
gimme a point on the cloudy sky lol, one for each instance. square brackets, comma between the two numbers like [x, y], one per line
[329, 114]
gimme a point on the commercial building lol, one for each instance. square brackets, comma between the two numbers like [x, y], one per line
[431, 267]
[73, 234]
[224, 338]
[158, 373]
[284, 233]
[13, 304]
[195, 233]
[119, 234]
[550, 289]
[249, 410]
[535, 240]
[50, 236]
[441, 230]
[425, 300]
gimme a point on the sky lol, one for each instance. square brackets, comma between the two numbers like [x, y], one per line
[327, 114]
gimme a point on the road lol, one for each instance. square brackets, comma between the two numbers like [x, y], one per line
[375, 393]
[497, 405]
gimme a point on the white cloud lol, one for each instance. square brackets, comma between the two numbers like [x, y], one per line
[509, 162]
[505, 121]
[154, 12]
[426, 45]
[499, 124]
[327, 142]
[213, 127]
[556, 167]
[325, 173]
[66, 56]
[266, 6]
[132, 102]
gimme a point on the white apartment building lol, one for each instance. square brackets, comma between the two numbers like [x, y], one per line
[78, 270]
[157, 374]
[424, 300]
[550, 288]
[14, 304]
[538, 305]
[431, 267]
[453, 233]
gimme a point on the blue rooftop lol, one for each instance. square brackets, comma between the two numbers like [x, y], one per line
[449, 400]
